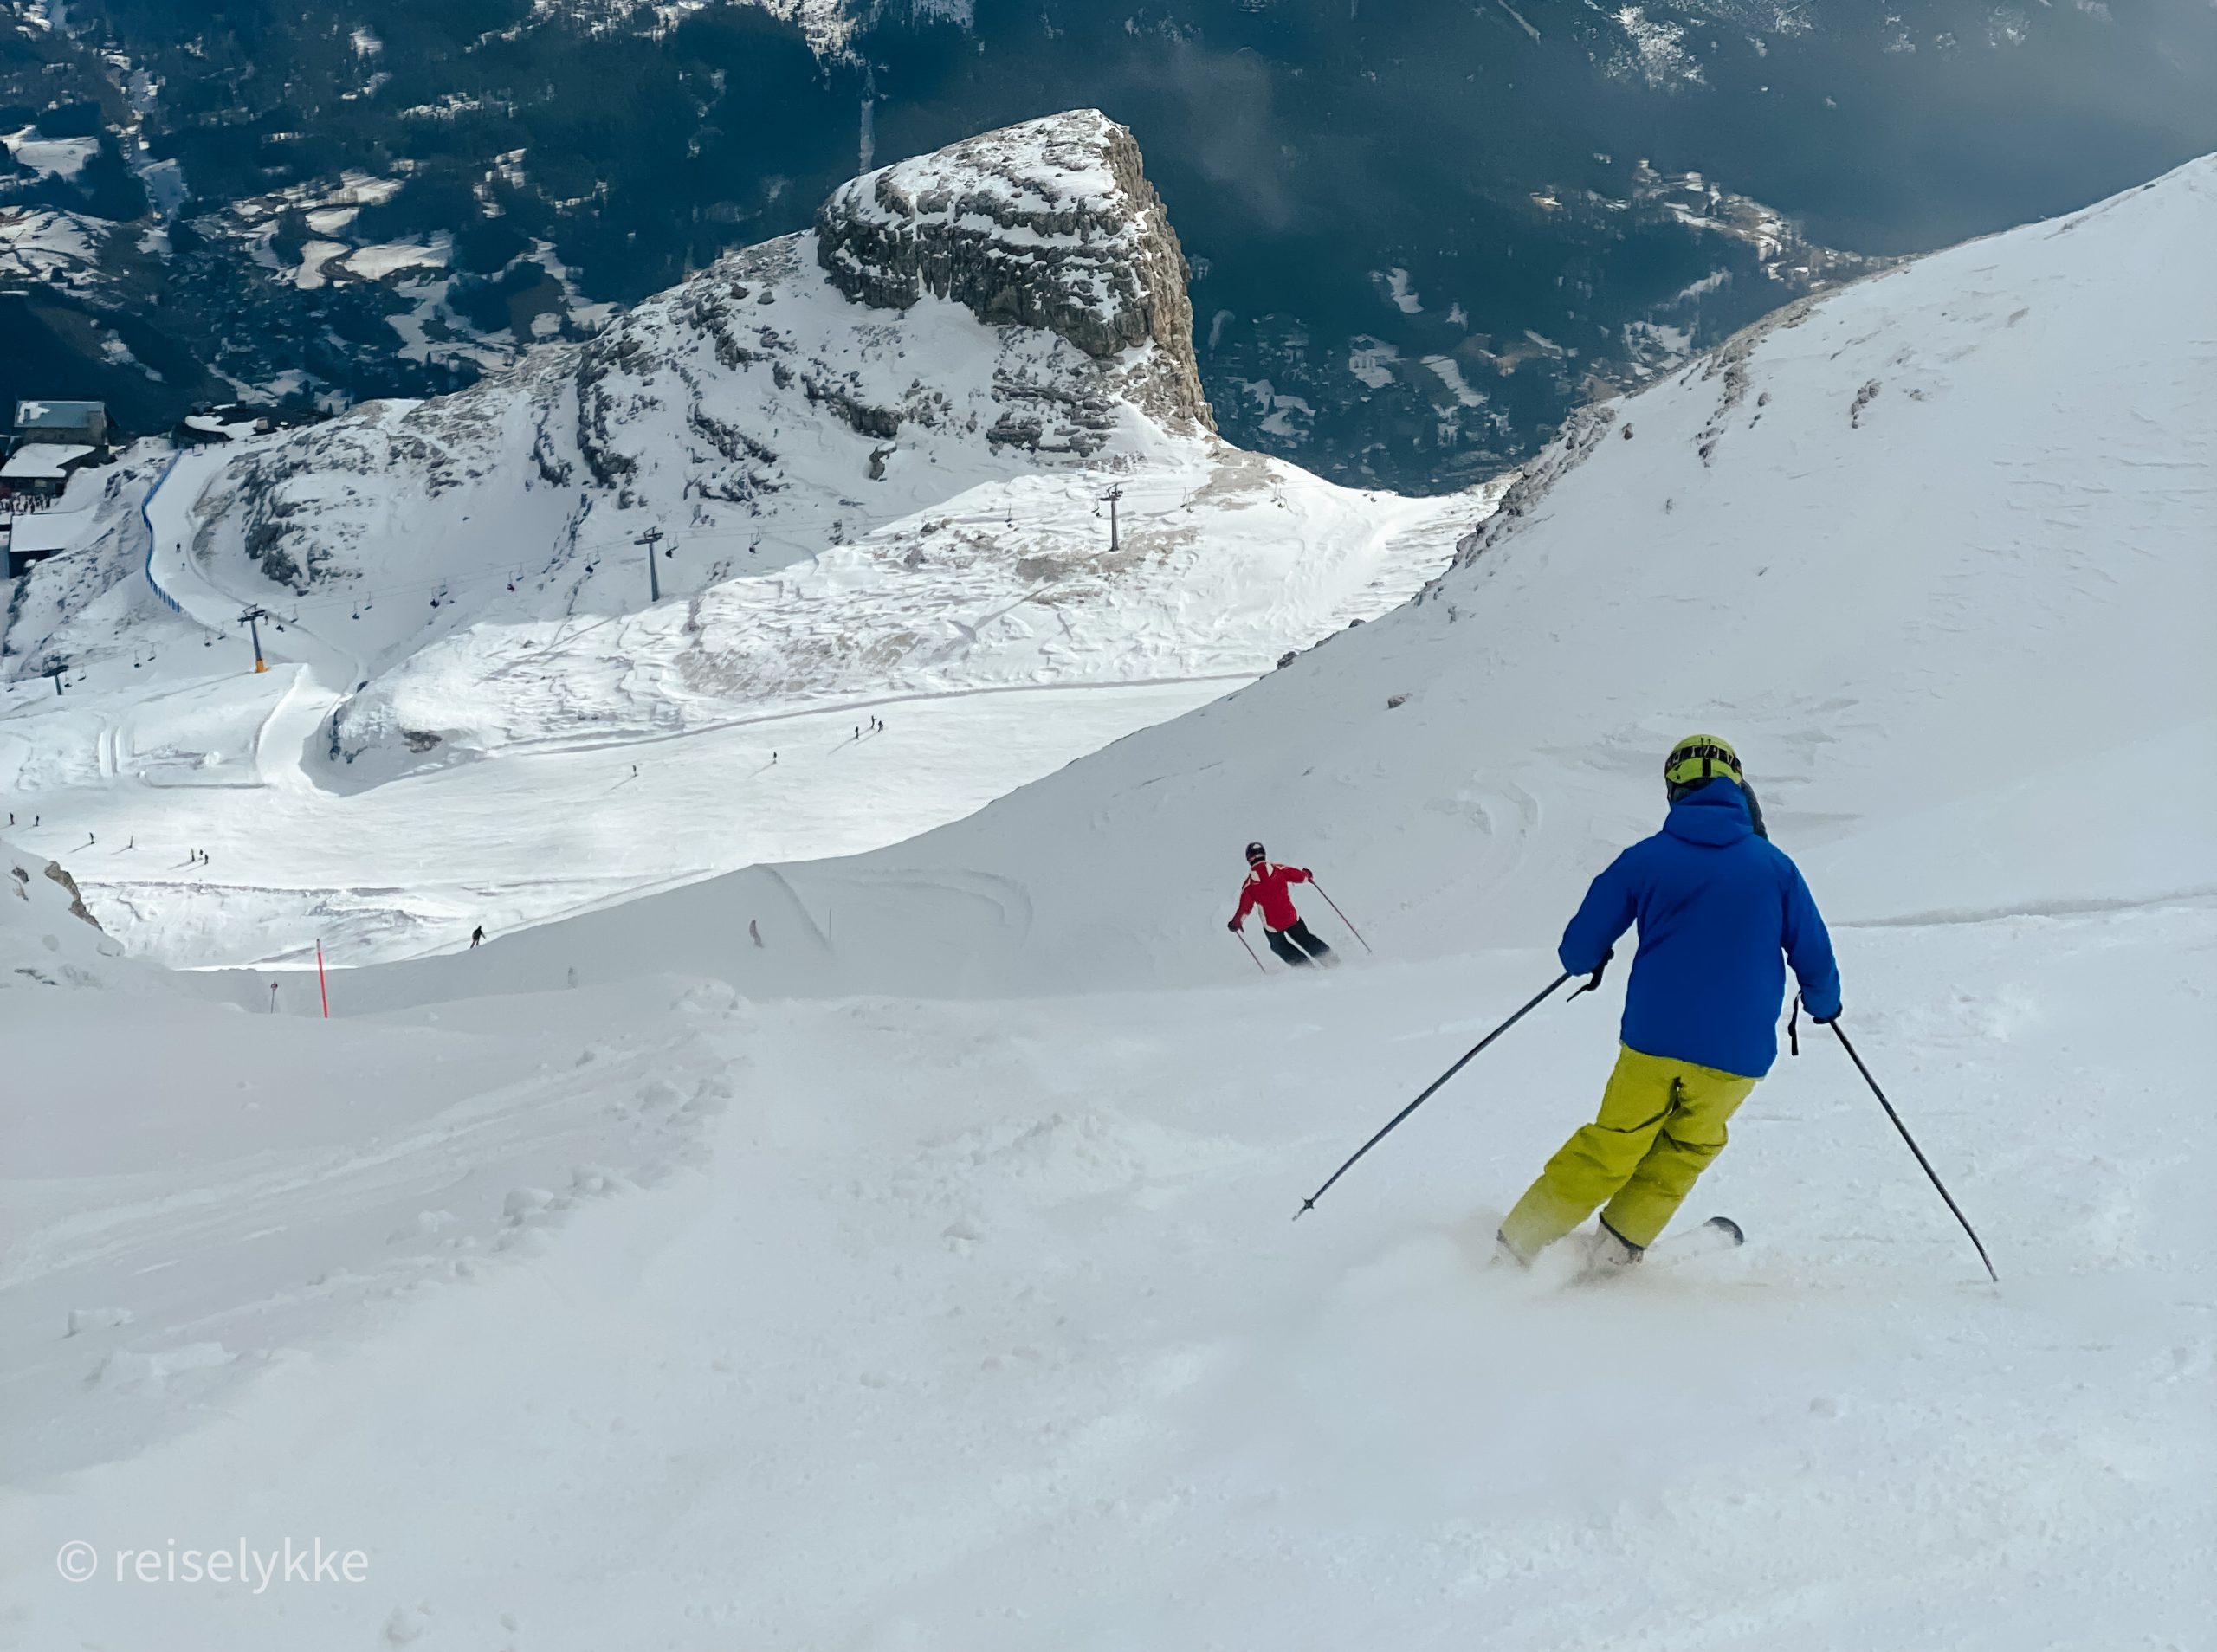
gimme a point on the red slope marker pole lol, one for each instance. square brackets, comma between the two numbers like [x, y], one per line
[1335, 906]
[320, 984]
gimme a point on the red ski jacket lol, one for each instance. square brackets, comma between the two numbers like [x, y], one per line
[1266, 887]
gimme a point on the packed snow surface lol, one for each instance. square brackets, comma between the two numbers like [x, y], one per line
[921, 1276]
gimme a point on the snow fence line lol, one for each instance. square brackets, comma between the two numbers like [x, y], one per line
[146, 516]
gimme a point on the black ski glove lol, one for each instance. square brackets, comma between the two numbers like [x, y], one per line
[1599, 969]
[1233, 926]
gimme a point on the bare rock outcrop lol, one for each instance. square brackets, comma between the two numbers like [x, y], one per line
[1050, 224]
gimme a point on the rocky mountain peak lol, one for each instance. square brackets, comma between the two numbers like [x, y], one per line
[1050, 224]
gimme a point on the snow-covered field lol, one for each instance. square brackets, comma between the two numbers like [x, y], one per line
[684, 740]
[922, 1277]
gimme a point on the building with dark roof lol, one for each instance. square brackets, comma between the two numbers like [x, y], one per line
[67, 423]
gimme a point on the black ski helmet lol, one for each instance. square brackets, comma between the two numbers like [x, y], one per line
[1254, 853]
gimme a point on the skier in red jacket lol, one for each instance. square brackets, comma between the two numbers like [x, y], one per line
[1268, 886]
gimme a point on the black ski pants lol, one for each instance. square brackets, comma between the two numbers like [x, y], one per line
[1283, 942]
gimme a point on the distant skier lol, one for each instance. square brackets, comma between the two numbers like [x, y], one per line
[1267, 886]
[1716, 905]
[754, 929]
[478, 936]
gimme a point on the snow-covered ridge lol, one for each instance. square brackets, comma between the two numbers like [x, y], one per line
[959, 320]
[758, 410]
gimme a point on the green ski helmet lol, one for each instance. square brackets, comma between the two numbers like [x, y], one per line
[1696, 760]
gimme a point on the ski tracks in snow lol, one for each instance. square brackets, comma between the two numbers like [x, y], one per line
[483, 1131]
[998, 1302]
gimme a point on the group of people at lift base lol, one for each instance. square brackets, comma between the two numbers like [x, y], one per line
[1721, 912]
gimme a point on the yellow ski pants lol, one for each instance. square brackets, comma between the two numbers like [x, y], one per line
[1661, 1123]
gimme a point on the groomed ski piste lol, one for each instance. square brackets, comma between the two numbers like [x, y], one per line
[923, 1277]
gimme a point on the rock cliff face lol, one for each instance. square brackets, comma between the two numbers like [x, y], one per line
[1050, 225]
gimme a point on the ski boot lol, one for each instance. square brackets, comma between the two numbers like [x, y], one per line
[1608, 1253]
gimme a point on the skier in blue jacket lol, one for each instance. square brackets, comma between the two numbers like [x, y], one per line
[1721, 912]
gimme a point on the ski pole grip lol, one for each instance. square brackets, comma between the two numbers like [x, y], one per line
[1599, 969]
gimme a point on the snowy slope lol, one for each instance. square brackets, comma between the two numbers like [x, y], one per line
[1933, 553]
[47, 938]
[791, 398]
[870, 466]
[695, 737]
[988, 1329]
[983, 1326]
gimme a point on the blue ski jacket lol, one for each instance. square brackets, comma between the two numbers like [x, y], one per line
[1718, 907]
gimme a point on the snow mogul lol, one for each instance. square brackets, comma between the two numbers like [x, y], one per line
[1718, 906]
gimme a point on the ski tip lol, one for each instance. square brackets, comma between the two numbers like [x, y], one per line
[1729, 1228]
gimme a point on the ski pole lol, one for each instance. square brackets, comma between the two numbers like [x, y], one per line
[1251, 951]
[1309, 1203]
[1335, 906]
[1841, 1035]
